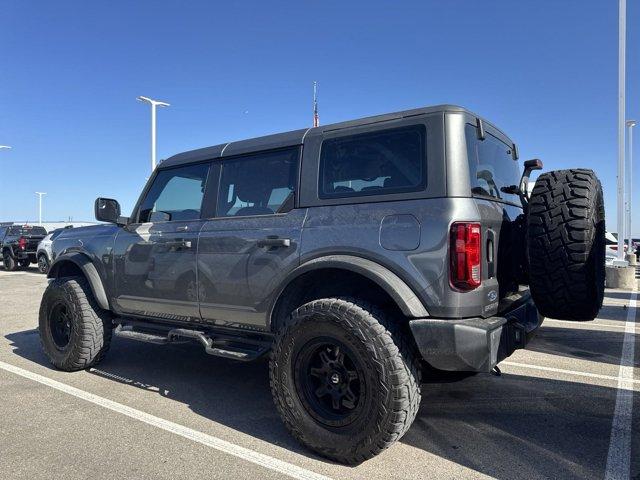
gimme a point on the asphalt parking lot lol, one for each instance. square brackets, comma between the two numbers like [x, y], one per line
[561, 409]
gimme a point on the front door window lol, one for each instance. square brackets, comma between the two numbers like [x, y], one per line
[176, 195]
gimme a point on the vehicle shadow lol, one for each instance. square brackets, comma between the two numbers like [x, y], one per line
[506, 427]
[234, 394]
[594, 345]
[615, 312]
[516, 426]
[617, 295]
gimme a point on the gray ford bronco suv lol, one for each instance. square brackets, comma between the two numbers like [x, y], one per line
[356, 255]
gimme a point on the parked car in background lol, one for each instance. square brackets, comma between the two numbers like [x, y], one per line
[43, 253]
[611, 250]
[19, 244]
[3, 232]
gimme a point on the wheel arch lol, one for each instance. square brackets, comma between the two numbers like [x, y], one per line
[373, 276]
[77, 263]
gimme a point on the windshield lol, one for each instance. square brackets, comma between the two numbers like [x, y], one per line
[611, 239]
[55, 233]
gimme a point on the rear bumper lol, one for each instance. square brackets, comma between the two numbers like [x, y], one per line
[24, 254]
[475, 344]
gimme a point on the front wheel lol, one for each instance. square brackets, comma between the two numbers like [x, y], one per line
[75, 333]
[43, 263]
[345, 379]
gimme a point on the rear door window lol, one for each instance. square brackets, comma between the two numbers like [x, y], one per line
[257, 184]
[491, 166]
[374, 163]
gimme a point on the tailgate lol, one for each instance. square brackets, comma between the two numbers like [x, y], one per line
[32, 242]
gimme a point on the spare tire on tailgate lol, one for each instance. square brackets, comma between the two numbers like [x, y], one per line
[566, 244]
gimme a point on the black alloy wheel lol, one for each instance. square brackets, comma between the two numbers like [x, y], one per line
[331, 381]
[60, 324]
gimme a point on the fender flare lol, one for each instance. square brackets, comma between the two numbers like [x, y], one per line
[398, 290]
[84, 263]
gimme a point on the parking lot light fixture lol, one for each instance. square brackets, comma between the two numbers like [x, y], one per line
[630, 125]
[40, 195]
[154, 104]
[622, 37]
[5, 146]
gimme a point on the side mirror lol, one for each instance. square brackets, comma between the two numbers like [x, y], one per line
[107, 210]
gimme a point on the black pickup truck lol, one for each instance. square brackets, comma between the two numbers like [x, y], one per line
[19, 244]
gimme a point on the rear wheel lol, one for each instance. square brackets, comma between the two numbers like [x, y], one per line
[9, 262]
[345, 379]
[43, 263]
[24, 263]
[566, 244]
[75, 333]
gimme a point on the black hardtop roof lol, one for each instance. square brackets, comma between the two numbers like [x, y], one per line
[295, 137]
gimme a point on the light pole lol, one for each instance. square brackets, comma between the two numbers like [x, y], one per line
[154, 104]
[629, 175]
[40, 195]
[622, 37]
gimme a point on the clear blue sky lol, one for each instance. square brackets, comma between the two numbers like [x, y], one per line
[545, 71]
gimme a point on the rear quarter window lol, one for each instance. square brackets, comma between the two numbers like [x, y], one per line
[491, 166]
[374, 163]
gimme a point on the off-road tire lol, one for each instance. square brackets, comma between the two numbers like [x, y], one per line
[43, 263]
[91, 327]
[566, 244]
[391, 368]
[9, 262]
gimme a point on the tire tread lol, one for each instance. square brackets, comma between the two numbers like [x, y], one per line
[92, 324]
[565, 234]
[396, 359]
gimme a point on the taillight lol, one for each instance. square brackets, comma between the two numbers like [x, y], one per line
[464, 269]
[22, 243]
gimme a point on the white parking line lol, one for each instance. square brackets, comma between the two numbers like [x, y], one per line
[628, 385]
[266, 461]
[582, 325]
[619, 456]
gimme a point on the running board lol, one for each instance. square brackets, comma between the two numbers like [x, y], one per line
[128, 332]
[225, 345]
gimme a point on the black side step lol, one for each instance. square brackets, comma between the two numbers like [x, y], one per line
[127, 331]
[224, 345]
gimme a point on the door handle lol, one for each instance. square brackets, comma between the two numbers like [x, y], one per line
[182, 229]
[274, 242]
[179, 244]
[491, 266]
